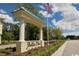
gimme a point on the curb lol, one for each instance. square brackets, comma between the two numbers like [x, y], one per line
[59, 52]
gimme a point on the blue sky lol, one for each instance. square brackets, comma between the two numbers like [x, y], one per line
[57, 15]
[76, 6]
[9, 7]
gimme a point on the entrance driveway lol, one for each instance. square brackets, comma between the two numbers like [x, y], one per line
[69, 48]
[72, 48]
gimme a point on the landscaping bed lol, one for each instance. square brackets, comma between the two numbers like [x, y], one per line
[44, 51]
[7, 51]
[47, 50]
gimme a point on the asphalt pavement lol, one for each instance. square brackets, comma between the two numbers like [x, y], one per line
[69, 48]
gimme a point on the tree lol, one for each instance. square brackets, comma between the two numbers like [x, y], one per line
[15, 30]
[57, 33]
[10, 31]
[30, 8]
[32, 32]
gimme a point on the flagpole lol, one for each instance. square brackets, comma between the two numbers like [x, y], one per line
[48, 8]
[47, 31]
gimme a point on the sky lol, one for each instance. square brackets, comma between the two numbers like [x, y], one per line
[6, 10]
[64, 16]
[8, 7]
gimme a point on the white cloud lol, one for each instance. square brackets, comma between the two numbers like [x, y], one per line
[71, 17]
[54, 8]
[41, 7]
[2, 11]
[54, 22]
[45, 13]
[6, 17]
[71, 33]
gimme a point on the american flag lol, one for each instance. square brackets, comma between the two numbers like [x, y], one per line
[48, 7]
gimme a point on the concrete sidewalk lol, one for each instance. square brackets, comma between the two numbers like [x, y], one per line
[7, 46]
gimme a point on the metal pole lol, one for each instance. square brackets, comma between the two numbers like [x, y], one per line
[47, 31]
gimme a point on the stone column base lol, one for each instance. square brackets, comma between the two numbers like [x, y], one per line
[21, 47]
[42, 43]
[0, 39]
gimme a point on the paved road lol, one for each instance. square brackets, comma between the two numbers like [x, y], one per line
[71, 48]
[7, 46]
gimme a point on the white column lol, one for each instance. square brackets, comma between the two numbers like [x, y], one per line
[22, 32]
[41, 37]
[21, 45]
[41, 34]
[1, 26]
[0, 39]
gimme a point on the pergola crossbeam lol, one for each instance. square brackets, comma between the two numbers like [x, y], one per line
[28, 17]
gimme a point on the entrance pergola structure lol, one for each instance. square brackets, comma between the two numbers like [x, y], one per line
[25, 16]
